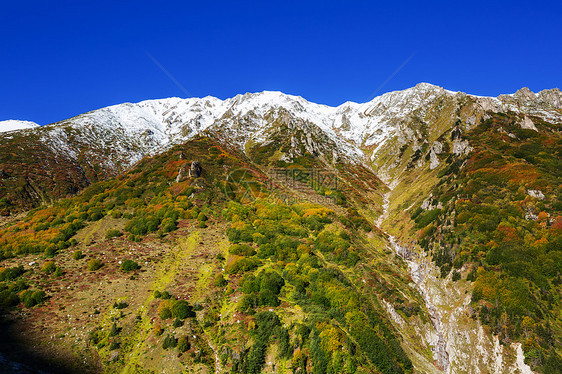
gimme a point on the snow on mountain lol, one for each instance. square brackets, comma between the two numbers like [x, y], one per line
[546, 104]
[372, 123]
[12, 125]
[153, 125]
[147, 127]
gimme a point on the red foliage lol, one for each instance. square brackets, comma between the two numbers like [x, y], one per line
[507, 233]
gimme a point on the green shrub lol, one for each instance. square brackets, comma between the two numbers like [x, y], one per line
[169, 224]
[8, 299]
[94, 264]
[240, 235]
[11, 273]
[331, 242]
[113, 233]
[58, 272]
[241, 250]
[48, 267]
[219, 280]
[266, 323]
[164, 311]
[183, 344]
[169, 342]
[96, 216]
[177, 323]
[77, 255]
[427, 217]
[129, 265]
[120, 305]
[182, 310]
[51, 250]
[31, 298]
[249, 284]
[268, 298]
[202, 217]
[165, 295]
[241, 265]
[270, 280]
[114, 330]
[247, 303]
[142, 225]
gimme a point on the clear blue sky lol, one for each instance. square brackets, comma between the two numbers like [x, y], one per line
[62, 58]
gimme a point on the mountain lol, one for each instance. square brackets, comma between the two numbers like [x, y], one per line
[105, 142]
[418, 232]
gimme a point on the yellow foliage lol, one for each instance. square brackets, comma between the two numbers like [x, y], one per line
[303, 248]
[237, 224]
[331, 339]
[317, 211]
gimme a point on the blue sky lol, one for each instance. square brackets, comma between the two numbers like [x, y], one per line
[59, 59]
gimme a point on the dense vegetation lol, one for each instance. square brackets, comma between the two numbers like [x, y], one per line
[299, 253]
[295, 286]
[286, 268]
[498, 216]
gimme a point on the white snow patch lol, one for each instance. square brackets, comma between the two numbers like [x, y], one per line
[13, 125]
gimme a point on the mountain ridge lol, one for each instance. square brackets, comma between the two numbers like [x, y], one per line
[167, 121]
[107, 141]
[15, 125]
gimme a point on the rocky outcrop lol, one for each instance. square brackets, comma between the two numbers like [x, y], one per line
[552, 97]
[528, 124]
[195, 170]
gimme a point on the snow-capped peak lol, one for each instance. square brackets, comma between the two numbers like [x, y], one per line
[147, 127]
[12, 125]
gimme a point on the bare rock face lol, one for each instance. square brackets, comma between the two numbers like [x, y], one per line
[552, 96]
[461, 147]
[195, 170]
[525, 94]
[181, 173]
[459, 343]
[537, 194]
[436, 149]
[528, 124]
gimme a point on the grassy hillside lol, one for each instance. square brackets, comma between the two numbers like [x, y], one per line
[159, 271]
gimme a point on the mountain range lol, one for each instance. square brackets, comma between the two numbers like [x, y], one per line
[435, 248]
[110, 140]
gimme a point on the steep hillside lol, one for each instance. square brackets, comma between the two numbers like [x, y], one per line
[257, 281]
[490, 215]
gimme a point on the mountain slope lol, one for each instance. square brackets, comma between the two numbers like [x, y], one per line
[108, 141]
[275, 233]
